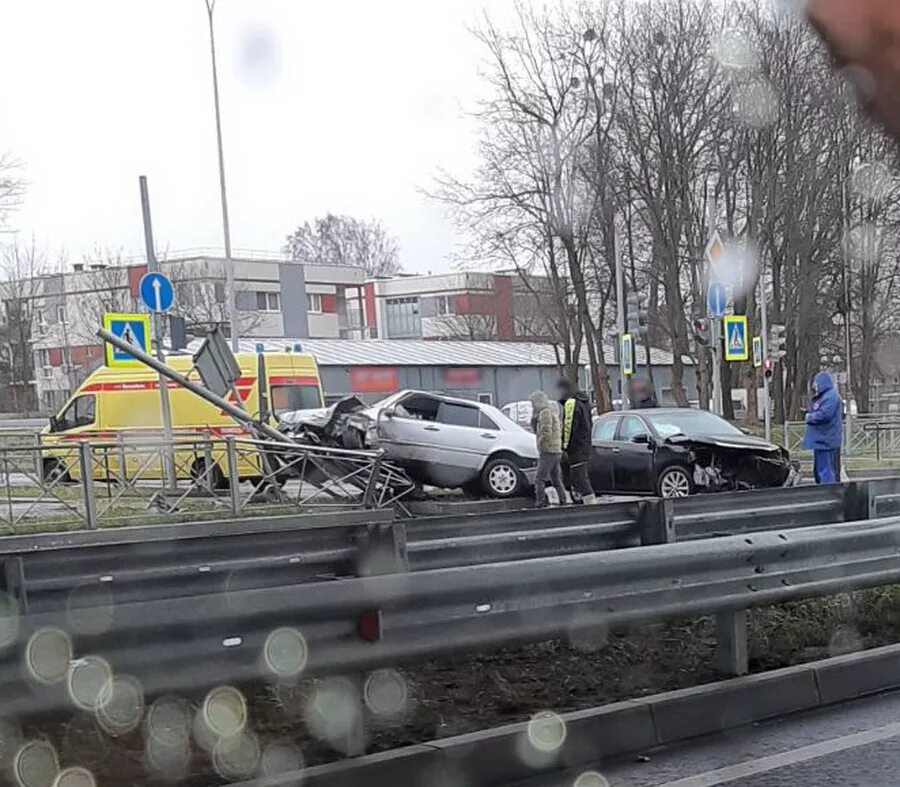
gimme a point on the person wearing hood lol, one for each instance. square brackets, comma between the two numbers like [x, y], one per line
[576, 439]
[641, 395]
[548, 433]
[824, 419]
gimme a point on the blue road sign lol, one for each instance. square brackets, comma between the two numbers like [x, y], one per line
[157, 292]
[716, 299]
[133, 329]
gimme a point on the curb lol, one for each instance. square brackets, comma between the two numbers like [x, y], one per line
[501, 755]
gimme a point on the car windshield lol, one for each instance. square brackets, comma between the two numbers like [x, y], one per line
[693, 423]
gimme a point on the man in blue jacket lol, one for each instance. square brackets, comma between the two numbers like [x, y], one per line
[824, 420]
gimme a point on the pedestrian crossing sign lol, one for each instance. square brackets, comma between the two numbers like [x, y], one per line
[737, 346]
[131, 328]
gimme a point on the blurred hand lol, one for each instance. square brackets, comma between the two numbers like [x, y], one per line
[865, 34]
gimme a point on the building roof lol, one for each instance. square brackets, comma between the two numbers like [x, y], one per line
[421, 352]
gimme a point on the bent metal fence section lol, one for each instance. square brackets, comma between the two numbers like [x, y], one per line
[92, 484]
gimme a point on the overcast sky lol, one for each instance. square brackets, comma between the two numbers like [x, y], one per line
[328, 105]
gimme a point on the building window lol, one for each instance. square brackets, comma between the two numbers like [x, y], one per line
[403, 320]
[443, 305]
[219, 291]
[268, 302]
[314, 302]
[61, 313]
[43, 357]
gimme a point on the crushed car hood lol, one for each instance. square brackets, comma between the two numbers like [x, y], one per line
[741, 442]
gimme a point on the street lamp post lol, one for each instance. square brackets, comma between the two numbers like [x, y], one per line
[226, 228]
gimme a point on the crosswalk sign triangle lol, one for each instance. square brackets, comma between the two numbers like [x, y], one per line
[129, 336]
[737, 339]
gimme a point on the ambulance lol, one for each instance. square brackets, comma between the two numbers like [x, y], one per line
[118, 411]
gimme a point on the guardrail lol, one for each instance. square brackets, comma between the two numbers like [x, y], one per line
[57, 570]
[354, 625]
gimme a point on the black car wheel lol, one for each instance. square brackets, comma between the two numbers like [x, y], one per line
[502, 478]
[674, 482]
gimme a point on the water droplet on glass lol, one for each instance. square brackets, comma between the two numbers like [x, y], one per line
[89, 681]
[36, 764]
[224, 711]
[483, 608]
[237, 756]
[755, 103]
[591, 779]
[285, 653]
[122, 707]
[736, 52]
[872, 181]
[9, 620]
[281, 757]
[863, 243]
[385, 693]
[546, 731]
[90, 609]
[333, 711]
[47, 655]
[856, 86]
[169, 721]
[738, 267]
[75, 777]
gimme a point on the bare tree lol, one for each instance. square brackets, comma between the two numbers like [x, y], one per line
[471, 327]
[12, 186]
[20, 285]
[345, 240]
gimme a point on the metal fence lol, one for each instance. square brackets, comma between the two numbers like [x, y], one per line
[876, 436]
[92, 484]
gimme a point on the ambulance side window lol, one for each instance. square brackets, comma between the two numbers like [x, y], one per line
[286, 398]
[80, 413]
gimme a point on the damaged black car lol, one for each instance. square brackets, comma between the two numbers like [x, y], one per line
[675, 452]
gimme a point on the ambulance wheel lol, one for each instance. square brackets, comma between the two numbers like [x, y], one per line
[54, 471]
[214, 479]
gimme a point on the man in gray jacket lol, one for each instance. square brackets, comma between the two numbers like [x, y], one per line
[548, 431]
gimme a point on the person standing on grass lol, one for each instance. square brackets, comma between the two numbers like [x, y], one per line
[548, 432]
[576, 439]
[824, 421]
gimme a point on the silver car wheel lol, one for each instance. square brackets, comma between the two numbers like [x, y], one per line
[675, 483]
[503, 479]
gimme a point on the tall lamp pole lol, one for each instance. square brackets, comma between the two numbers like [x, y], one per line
[226, 228]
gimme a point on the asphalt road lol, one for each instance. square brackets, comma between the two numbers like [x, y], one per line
[855, 744]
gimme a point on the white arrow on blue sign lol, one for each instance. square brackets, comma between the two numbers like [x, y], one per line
[157, 292]
[716, 299]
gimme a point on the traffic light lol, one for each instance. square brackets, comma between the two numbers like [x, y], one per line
[769, 368]
[701, 331]
[777, 342]
[636, 314]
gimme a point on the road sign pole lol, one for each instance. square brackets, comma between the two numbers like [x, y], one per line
[620, 320]
[715, 346]
[764, 320]
[168, 458]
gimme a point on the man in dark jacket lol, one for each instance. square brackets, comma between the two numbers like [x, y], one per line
[576, 439]
[641, 395]
[824, 421]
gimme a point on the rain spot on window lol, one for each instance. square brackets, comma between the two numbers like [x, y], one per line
[872, 181]
[755, 103]
[89, 681]
[76, 776]
[9, 620]
[285, 652]
[591, 779]
[333, 713]
[47, 655]
[735, 51]
[90, 609]
[236, 756]
[121, 708]
[281, 757]
[36, 764]
[224, 712]
[546, 731]
[385, 693]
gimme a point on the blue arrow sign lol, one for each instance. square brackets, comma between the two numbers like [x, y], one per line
[157, 292]
[716, 299]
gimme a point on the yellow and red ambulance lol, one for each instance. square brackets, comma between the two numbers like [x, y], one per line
[118, 411]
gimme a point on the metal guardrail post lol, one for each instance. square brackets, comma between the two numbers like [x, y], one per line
[656, 522]
[382, 550]
[858, 502]
[87, 485]
[731, 656]
[234, 481]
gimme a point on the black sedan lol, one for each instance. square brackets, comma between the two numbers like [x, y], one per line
[675, 452]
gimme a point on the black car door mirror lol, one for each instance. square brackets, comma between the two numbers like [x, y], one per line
[643, 438]
[54, 424]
